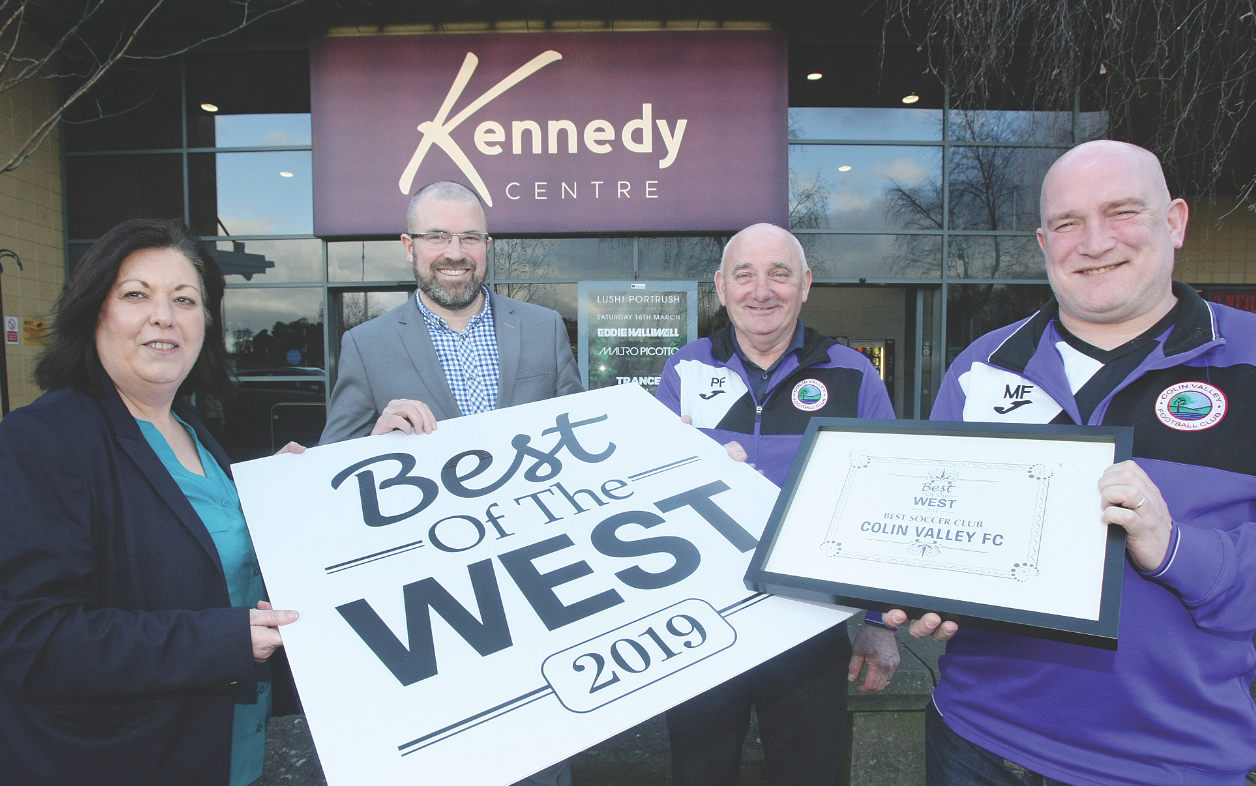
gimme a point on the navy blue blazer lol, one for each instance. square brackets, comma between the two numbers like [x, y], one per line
[119, 651]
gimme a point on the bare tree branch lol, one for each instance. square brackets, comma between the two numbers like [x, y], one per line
[41, 132]
[267, 10]
[31, 68]
[35, 66]
[1174, 75]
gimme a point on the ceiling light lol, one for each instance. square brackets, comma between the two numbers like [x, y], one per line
[910, 98]
[844, 168]
[285, 174]
[814, 75]
[209, 107]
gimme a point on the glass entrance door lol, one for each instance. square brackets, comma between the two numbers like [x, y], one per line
[895, 327]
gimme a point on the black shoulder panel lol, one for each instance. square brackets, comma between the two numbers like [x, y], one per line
[781, 416]
[740, 416]
[1228, 445]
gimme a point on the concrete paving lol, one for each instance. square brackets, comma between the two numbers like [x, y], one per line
[637, 757]
[885, 726]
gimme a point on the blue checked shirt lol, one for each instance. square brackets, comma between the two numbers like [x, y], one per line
[469, 358]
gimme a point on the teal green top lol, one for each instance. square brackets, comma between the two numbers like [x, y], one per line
[215, 500]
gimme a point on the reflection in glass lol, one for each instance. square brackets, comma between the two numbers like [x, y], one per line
[261, 130]
[266, 414]
[358, 307]
[1048, 128]
[685, 258]
[243, 83]
[1092, 125]
[135, 106]
[711, 315]
[874, 257]
[269, 260]
[975, 309]
[370, 260]
[274, 330]
[102, 191]
[560, 297]
[251, 193]
[580, 258]
[865, 123]
[995, 257]
[76, 252]
[861, 186]
[995, 188]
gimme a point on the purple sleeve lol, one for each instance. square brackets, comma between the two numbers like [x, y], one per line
[1213, 571]
[949, 405]
[874, 400]
[668, 391]
[875, 618]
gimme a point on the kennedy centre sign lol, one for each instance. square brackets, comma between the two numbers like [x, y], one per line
[557, 132]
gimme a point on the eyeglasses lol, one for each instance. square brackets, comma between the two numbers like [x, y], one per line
[471, 240]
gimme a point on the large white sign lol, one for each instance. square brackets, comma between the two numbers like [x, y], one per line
[485, 601]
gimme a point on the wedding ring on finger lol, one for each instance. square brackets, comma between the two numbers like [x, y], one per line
[1141, 502]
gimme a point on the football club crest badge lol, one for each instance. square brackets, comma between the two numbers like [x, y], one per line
[810, 395]
[1190, 406]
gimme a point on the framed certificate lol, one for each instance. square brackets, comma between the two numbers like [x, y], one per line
[992, 525]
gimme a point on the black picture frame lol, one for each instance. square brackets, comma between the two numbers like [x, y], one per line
[974, 612]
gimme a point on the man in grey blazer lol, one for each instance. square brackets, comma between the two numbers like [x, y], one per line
[455, 348]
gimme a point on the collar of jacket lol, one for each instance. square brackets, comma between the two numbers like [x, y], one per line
[131, 440]
[815, 347]
[1194, 329]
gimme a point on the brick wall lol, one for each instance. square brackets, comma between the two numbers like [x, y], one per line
[30, 219]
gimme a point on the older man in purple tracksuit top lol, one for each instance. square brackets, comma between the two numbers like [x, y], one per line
[757, 383]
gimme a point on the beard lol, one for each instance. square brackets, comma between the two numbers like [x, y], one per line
[456, 296]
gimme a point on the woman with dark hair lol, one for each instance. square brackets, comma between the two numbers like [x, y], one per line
[135, 639]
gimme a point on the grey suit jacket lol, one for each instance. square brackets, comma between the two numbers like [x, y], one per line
[392, 356]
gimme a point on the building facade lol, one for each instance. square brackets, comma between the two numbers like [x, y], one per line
[917, 217]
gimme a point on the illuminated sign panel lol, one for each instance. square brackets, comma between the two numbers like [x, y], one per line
[579, 132]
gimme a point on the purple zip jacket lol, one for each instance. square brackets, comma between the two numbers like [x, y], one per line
[707, 381]
[1172, 704]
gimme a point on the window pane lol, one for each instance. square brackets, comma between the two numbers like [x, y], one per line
[1092, 125]
[685, 258]
[241, 83]
[560, 297]
[358, 307]
[251, 193]
[996, 188]
[269, 261]
[76, 252]
[371, 260]
[973, 310]
[995, 257]
[133, 107]
[711, 315]
[275, 330]
[259, 130]
[865, 123]
[1048, 128]
[875, 257]
[583, 258]
[864, 187]
[103, 190]
[266, 414]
